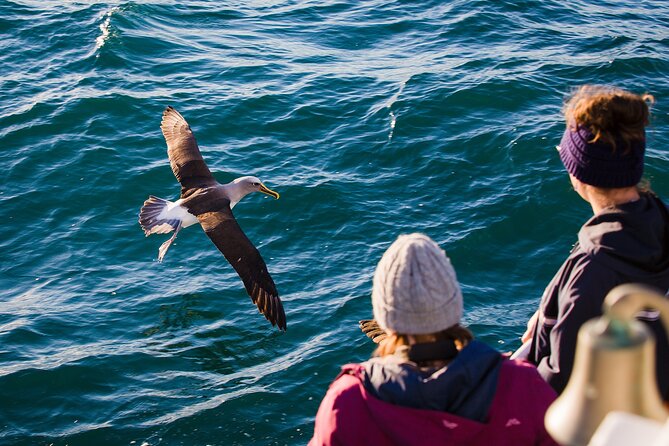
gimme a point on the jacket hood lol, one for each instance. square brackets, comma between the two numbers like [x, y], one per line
[465, 388]
[632, 238]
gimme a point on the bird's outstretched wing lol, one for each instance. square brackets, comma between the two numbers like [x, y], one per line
[182, 150]
[227, 235]
[371, 328]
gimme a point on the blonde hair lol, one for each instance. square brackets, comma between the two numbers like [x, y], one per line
[457, 333]
[611, 114]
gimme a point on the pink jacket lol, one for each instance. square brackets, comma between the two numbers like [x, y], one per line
[349, 415]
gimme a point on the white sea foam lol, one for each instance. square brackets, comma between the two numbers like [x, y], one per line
[393, 118]
[104, 28]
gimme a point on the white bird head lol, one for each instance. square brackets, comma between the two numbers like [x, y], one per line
[250, 184]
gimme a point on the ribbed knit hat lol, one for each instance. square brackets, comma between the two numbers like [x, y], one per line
[415, 289]
[598, 164]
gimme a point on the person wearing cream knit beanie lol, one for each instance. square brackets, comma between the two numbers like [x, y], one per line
[415, 288]
[430, 382]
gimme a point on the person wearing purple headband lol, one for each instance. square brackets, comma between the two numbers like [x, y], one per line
[625, 241]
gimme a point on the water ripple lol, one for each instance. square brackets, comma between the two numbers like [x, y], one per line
[371, 119]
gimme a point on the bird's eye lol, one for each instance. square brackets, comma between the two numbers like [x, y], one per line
[256, 184]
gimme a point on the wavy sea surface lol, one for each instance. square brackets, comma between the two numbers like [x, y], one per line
[370, 118]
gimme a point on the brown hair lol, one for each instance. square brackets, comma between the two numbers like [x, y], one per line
[611, 114]
[457, 333]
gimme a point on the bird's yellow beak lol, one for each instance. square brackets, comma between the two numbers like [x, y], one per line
[269, 192]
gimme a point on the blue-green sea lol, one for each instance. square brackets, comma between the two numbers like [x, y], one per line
[371, 118]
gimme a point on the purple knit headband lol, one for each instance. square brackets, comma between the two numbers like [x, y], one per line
[597, 164]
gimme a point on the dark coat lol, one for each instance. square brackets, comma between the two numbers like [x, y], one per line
[624, 244]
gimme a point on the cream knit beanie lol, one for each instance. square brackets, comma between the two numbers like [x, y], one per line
[415, 289]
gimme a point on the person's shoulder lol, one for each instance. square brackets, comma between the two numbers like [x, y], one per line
[519, 366]
[523, 372]
[347, 383]
[591, 274]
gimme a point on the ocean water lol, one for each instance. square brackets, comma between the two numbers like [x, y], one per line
[370, 118]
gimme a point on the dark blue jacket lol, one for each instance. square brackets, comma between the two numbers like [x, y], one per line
[624, 244]
[465, 388]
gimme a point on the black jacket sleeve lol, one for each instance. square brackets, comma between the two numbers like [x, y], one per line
[580, 299]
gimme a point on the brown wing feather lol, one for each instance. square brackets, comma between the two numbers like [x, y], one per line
[371, 328]
[227, 235]
[185, 158]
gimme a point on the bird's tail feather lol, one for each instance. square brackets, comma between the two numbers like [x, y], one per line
[150, 219]
[166, 245]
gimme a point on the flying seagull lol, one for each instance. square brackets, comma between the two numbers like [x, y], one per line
[205, 201]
